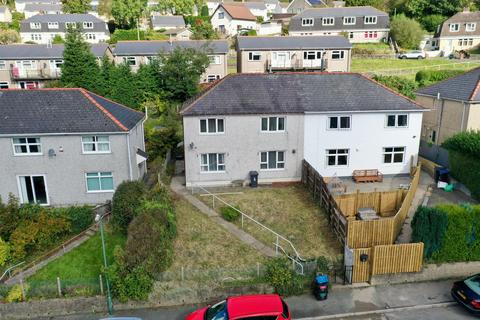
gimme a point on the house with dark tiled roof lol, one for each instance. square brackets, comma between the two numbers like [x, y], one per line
[161, 22]
[21, 4]
[360, 24]
[297, 6]
[32, 9]
[230, 18]
[29, 66]
[67, 146]
[454, 106]
[269, 123]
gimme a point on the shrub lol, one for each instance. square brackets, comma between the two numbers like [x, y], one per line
[15, 294]
[407, 32]
[9, 217]
[467, 143]
[282, 278]
[230, 214]
[400, 84]
[126, 202]
[4, 252]
[9, 36]
[428, 77]
[80, 217]
[429, 226]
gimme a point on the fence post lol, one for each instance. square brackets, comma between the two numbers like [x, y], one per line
[276, 247]
[24, 297]
[213, 201]
[59, 287]
[258, 269]
[101, 284]
[183, 274]
[242, 220]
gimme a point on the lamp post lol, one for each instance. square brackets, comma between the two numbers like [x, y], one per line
[98, 218]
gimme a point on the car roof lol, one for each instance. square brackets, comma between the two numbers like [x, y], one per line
[251, 305]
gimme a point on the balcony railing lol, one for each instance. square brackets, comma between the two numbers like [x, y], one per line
[318, 64]
[37, 74]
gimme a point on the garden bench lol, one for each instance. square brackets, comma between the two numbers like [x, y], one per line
[370, 175]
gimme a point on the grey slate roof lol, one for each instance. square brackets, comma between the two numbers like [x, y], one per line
[62, 111]
[465, 87]
[3, 9]
[256, 5]
[98, 25]
[341, 12]
[39, 51]
[297, 93]
[168, 21]
[150, 48]
[290, 43]
[44, 7]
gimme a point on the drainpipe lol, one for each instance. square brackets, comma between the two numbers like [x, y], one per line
[463, 116]
[143, 133]
[129, 157]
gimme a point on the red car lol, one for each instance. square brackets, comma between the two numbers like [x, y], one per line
[254, 307]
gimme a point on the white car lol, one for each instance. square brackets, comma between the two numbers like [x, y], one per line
[412, 55]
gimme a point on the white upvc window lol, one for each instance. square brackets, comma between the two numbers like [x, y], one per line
[221, 15]
[131, 61]
[56, 64]
[370, 20]
[52, 25]
[272, 160]
[454, 27]
[99, 182]
[35, 25]
[337, 157]
[349, 21]
[27, 64]
[273, 124]
[33, 189]
[393, 154]
[471, 26]
[26, 146]
[72, 25]
[306, 22]
[254, 56]
[212, 126]
[397, 121]
[88, 25]
[328, 21]
[213, 77]
[90, 36]
[3, 65]
[96, 144]
[212, 162]
[312, 55]
[338, 55]
[36, 36]
[4, 85]
[339, 122]
[214, 59]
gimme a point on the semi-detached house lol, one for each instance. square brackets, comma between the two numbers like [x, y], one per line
[67, 146]
[360, 24]
[269, 123]
[231, 18]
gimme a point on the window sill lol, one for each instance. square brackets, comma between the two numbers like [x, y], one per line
[267, 170]
[212, 172]
[27, 154]
[89, 153]
[212, 134]
[101, 191]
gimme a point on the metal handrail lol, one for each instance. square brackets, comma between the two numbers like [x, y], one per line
[417, 68]
[294, 261]
[10, 269]
[244, 215]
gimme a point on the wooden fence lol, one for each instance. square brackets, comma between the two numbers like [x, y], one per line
[428, 166]
[386, 259]
[316, 184]
[385, 203]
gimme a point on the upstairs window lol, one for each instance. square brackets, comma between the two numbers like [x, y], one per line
[338, 55]
[212, 125]
[96, 144]
[130, 61]
[88, 25]
[397, 121]
[72, 25]
[454, 27]
[90, 36]
[307, 22]
[273, 124]
[470, 27]
[214, 59]
[339, 122]
[27, 146]
[254, 56]
[349, 20]
[370, 20]
[36, 37]
[221, 15]
[35, 25]
[3, 65]
[328, 21]
[52, 25]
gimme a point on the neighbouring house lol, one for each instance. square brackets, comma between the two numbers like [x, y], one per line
[229, 19]
[67, 146]
[454, 106]
[273, 6]
[460, 32]
[269, 28]
[178, 34]
[298, 6]
[359, 24]
[283, 18]
[20, 4]
[160, 22]
[43, 28]
[258, 9]
[135, 53]
[32, 9]
[269, 123]
[5, 14]
[261, 54]
[30, 66]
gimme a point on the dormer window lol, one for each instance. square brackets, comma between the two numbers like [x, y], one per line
[471, 26]
[52, 25]
[371, 20]
[88, 25]
[306, 22]
[454, 27]
[72, 25]
[35, 25]
[328, 21]
[349, 20]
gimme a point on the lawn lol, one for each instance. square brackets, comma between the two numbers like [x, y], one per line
[371, 48]
[290, 212]
[84, 262]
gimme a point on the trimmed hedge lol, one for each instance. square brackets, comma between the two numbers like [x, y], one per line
[125, 203]
[429, 226]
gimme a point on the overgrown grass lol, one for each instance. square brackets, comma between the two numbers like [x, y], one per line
[371, 48]
[373, 65]
[83, 262]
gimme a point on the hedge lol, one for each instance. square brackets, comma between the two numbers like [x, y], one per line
[429, 226]
[403, 85]
[428, 77]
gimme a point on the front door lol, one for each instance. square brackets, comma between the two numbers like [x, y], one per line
[33, 189]
[281, 60]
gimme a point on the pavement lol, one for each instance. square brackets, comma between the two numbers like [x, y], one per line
[428, 300]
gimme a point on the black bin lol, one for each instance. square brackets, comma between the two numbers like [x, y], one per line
[253, 179]
[442, 174]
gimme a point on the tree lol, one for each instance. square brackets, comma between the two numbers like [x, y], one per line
[407, 32]
[420, 8]
[180, 72]
[202, 29]
[127, 12]
[204, 11]
[75, 6]
[105, 8]
[9, 36]
[58, 39]
[178, 7]
[79, 68]
[380, 4]
[431, 22]
[126, 202]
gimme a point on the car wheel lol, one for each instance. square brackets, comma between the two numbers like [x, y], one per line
[403, 57]
[419, 57]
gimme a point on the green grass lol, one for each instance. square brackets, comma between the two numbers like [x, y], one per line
[83, 262]
[376, 65]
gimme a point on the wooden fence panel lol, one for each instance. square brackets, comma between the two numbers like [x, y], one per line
[361, 270]
[385, 203]
[391, 202]
[397, 258]
[364, 234]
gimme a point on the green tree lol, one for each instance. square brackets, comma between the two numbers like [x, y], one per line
[127, 12]
[202, 29]
[9, 36]
[79, 68]
[431, 22]
[204, 11]
[122, 86]
[105, 8]
[58, 39]
[380, 4]
[75, 6]
[420, 8]
[402, 85]
[407, 32]
[180, 72]
[178, 7]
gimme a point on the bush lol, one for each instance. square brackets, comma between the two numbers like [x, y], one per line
[425, 78]
[80, 217]
[9, 217]
[400, 84]
[4, 252]
[230, 214]
[429, 226]
[282, 278]
[407, 32]
[431, 22]
[15, 294]
[126, 202]
[9, 36]
[467, 143]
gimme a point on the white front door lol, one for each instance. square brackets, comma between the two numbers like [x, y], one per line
[281, 59]
[33, 189]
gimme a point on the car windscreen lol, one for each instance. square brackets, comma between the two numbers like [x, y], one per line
[474, 284]
[217, 311]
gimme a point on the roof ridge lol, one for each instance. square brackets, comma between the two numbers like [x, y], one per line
[101, 108]
[117, 103]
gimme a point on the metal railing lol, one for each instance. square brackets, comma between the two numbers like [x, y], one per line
[9, 271]
[419, 68]
[296, 259]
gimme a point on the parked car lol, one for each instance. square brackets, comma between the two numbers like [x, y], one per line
[412, 55]
[467, 293]
[264, 307]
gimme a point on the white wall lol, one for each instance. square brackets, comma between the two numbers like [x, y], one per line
[27, 36]
[366, 139]
[231, 25]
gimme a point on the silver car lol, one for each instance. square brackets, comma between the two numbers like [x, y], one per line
[412, 55]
